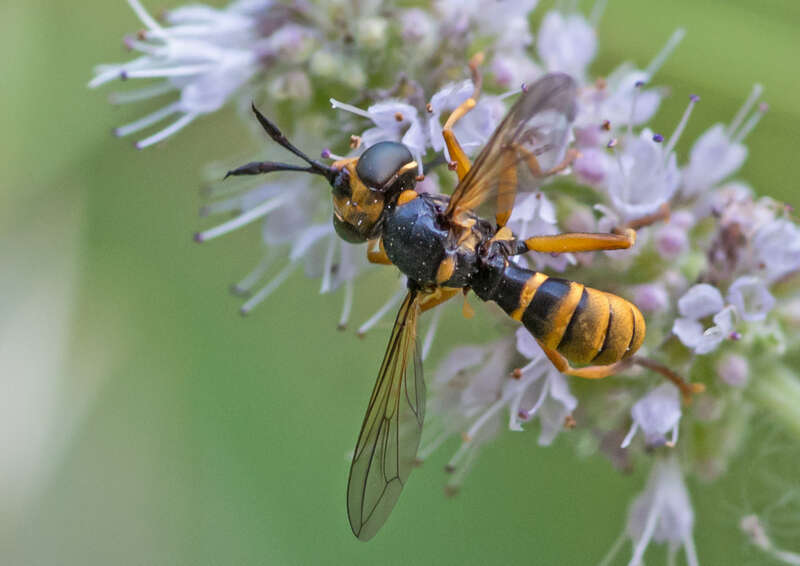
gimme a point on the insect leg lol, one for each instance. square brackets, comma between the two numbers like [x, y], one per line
[533, 163]
[462, 163]
[376, 253]
[587, 372]
[662, 213]
[437, 297]
[575, 242]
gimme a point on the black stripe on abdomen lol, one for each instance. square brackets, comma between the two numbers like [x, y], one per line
[538, 317]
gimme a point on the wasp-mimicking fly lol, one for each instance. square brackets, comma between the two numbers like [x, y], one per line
[450, 245]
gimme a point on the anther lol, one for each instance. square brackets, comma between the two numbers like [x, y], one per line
[658, 138]
[612, 143]
[355, 142]
[606, 125]
[429, 108]
[398, 116]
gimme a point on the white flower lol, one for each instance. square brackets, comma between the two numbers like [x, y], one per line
[394, 121]
[535, 215]
[699, 302]
[651, 297]
[657, 414]
[207, 55]
[733, 370]
[621, 100]
[719, 152]
[713, 157]
[419, 28]
[541, 391]
[472, 130]
[646, 176]
[566, 43]
[506, 20]
[467, 399]
[752, 299]
[663, 513]
[512, 68]
[777, 249]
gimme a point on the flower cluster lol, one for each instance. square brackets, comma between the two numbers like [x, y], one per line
[714, 267]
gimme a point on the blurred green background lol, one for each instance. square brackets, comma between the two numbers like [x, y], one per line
[145, 422]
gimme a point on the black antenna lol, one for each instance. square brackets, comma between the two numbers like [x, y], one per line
[260, 167]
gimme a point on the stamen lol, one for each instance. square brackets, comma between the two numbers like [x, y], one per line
[452, 487]
[649, 528]
[512, 92]
[629, 437]
[349, 108]
[431, 334]
[328, 154]
[327, 267]
[244, 286]
[691, 552]
[140, 94]
[180, 71]
[425, 451]
[143, 15]
[666, 51]
[176, 126]
[750, 124]
[478, 424]
[267, 289]
[614, 550]
[637, 89]
[243, 219]
[755, 94]
[453, 463]
[148, 120]
[693, 99]
[375, 318]
[349, 288]
[542, 396]
[597, 12]
[308, 238]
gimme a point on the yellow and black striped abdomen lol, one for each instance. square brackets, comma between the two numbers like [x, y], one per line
[585, 325]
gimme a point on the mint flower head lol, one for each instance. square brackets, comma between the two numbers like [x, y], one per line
[715, 268]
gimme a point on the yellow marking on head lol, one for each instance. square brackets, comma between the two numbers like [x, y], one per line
[406, 196]
[363, 207]
[563, 314]
[446, 269]
[528, 291]
[411, 166]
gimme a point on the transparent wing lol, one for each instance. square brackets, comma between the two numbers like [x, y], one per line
[531, 139]
[390, 434]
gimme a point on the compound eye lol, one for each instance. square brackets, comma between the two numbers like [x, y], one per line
[347, 232]
[380, 162]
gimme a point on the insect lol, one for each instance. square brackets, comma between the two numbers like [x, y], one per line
[449, 245]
